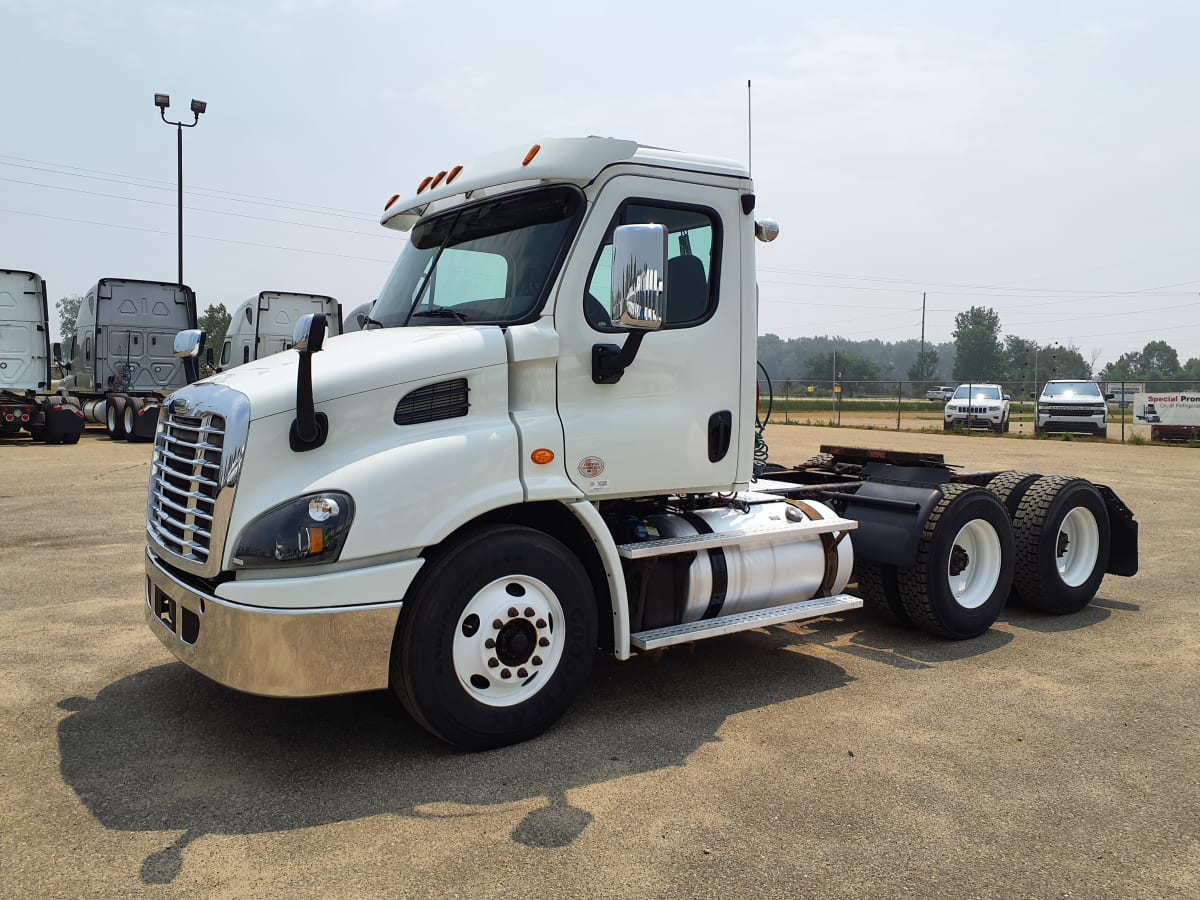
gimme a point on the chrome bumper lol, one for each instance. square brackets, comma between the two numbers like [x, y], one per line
[275, 653]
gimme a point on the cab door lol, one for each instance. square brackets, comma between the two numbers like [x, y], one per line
[668, 424]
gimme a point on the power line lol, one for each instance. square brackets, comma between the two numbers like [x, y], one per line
[197, 237]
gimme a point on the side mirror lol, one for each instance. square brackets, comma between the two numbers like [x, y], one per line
[1008, 397]
[1033, 395]
[362, 319]
[208, 356]
[189, 343]
[309, 334]
[57, 350]
[1110, 396]
[639, 277]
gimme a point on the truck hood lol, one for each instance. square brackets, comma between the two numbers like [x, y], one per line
[365, 361]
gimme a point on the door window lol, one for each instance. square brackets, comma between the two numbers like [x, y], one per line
[693, 251]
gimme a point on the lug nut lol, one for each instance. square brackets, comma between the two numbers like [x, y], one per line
[489, 643]
[521, 673]
[541, 623]
[493, 662]
[504, 673]
[529, 612]
[512, 612]
[543, 642]
[497, 624]
[537, 660]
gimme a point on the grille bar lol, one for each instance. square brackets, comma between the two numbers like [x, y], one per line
[188, 453]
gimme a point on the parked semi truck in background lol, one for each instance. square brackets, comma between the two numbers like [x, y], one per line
[264, 324]
[120, 360]
[26, 402]
[547, 446]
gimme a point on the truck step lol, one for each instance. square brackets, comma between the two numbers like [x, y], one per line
[759, 618]
[794, 531]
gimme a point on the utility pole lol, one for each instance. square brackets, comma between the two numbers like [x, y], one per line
[921, 354]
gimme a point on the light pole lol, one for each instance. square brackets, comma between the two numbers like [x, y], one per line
[163, 101]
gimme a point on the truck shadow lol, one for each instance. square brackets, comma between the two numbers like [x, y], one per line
[168, 750]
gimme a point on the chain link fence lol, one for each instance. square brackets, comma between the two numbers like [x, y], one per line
[909, 406]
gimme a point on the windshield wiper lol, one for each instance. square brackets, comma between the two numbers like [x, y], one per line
[441, 312]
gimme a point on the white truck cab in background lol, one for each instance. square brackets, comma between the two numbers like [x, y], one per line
[544, 445]
[264, 324]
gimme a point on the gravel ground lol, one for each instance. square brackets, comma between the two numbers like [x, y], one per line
[843, 758]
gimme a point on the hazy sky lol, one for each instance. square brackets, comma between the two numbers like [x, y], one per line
[1038, 158]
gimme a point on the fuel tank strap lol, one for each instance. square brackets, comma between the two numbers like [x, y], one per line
[718, 564]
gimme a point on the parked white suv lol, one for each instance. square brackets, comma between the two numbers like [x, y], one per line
[939, 392]
[1076, 406]
[978, 406]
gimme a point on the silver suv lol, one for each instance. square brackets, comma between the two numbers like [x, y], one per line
[978, 406]
[1075, 406]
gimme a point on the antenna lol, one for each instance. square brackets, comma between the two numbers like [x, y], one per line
[749, 130]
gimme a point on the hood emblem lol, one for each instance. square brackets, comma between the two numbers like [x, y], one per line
[180, 407]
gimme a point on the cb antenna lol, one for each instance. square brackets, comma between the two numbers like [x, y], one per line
[749, 130]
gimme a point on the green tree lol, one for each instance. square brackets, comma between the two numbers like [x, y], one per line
[68, 314]
[924, 369]
[215, 322]
[1160, 359]
[978, 354]
[857, 375]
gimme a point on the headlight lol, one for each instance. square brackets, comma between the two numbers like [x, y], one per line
[301, 532]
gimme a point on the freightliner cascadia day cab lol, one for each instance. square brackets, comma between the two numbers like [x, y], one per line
[545, 447]
[121, 360]
[25, 399]
[265, 324]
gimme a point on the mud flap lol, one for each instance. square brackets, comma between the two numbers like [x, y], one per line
[145, 423]
[1123, 546]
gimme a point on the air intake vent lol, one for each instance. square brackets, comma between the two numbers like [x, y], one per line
[444, 400]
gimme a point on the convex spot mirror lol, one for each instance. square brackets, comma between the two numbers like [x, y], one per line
[309, 334]
[189, 343]
[639, 277]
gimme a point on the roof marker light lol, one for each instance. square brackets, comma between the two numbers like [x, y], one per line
[453, 174]
[424, 183]
[388, 205]
[437, 179]
[533, 151]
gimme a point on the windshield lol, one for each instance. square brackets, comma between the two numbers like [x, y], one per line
[490, 262]
[1072, 389]
[977, 392]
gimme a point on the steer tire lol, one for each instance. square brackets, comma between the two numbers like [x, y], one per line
[880, 593]
[1010, 487]
[114, 416]
[964, 566]
[495, 638]
[1062, 538]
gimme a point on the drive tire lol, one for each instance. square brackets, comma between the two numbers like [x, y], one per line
[442, 668]
[964, 566]
[114, 417]
[880, 592]
[1062, 538]
[1010, 487]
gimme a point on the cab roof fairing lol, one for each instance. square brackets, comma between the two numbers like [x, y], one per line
[559, 159]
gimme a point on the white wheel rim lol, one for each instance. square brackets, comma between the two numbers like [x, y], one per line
[129, 420]
[513, 625]
[1077, 546]
[974, 565]
[111, 415]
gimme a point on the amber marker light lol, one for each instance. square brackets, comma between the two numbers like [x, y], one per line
[542, 456]
[453, 174]
[388, 205]
[425, 183]
[437, 179]
[533, 151]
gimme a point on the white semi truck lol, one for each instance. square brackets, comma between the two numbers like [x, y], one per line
[544, 445]
[121, 360]
[264, 324]
[26, 402]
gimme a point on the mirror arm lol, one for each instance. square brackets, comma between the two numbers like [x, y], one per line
[609, 361]
[309, 428]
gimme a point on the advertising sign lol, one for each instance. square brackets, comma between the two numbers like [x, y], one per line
[1167, 408]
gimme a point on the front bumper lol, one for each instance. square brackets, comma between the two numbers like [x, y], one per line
[275, 653]
[975, 420]
[1096, 424]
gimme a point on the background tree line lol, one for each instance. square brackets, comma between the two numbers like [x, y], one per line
[980, 351]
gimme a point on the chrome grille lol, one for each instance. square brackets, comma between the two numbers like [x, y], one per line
[1051, 410]
[185, 479]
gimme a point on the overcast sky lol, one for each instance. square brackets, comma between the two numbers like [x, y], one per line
[1038, 158]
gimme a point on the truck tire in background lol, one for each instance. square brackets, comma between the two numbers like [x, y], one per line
[964, 568]
[1010, 487]
[114, 416]
[133, 411]
[880, 591]
[1062, 539]
[496, 638]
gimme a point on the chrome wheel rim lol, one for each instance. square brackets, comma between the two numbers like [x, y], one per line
[129, 420]
[1077, 547]
[508, 640]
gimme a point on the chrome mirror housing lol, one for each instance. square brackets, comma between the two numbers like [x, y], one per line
[639, 277]
[309, 333]
[189, 343]
[766, 230]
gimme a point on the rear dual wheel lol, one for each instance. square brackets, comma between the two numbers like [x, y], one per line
[114, 416]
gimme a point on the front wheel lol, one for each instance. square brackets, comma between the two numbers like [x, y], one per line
[964, 566]
[496, 638]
